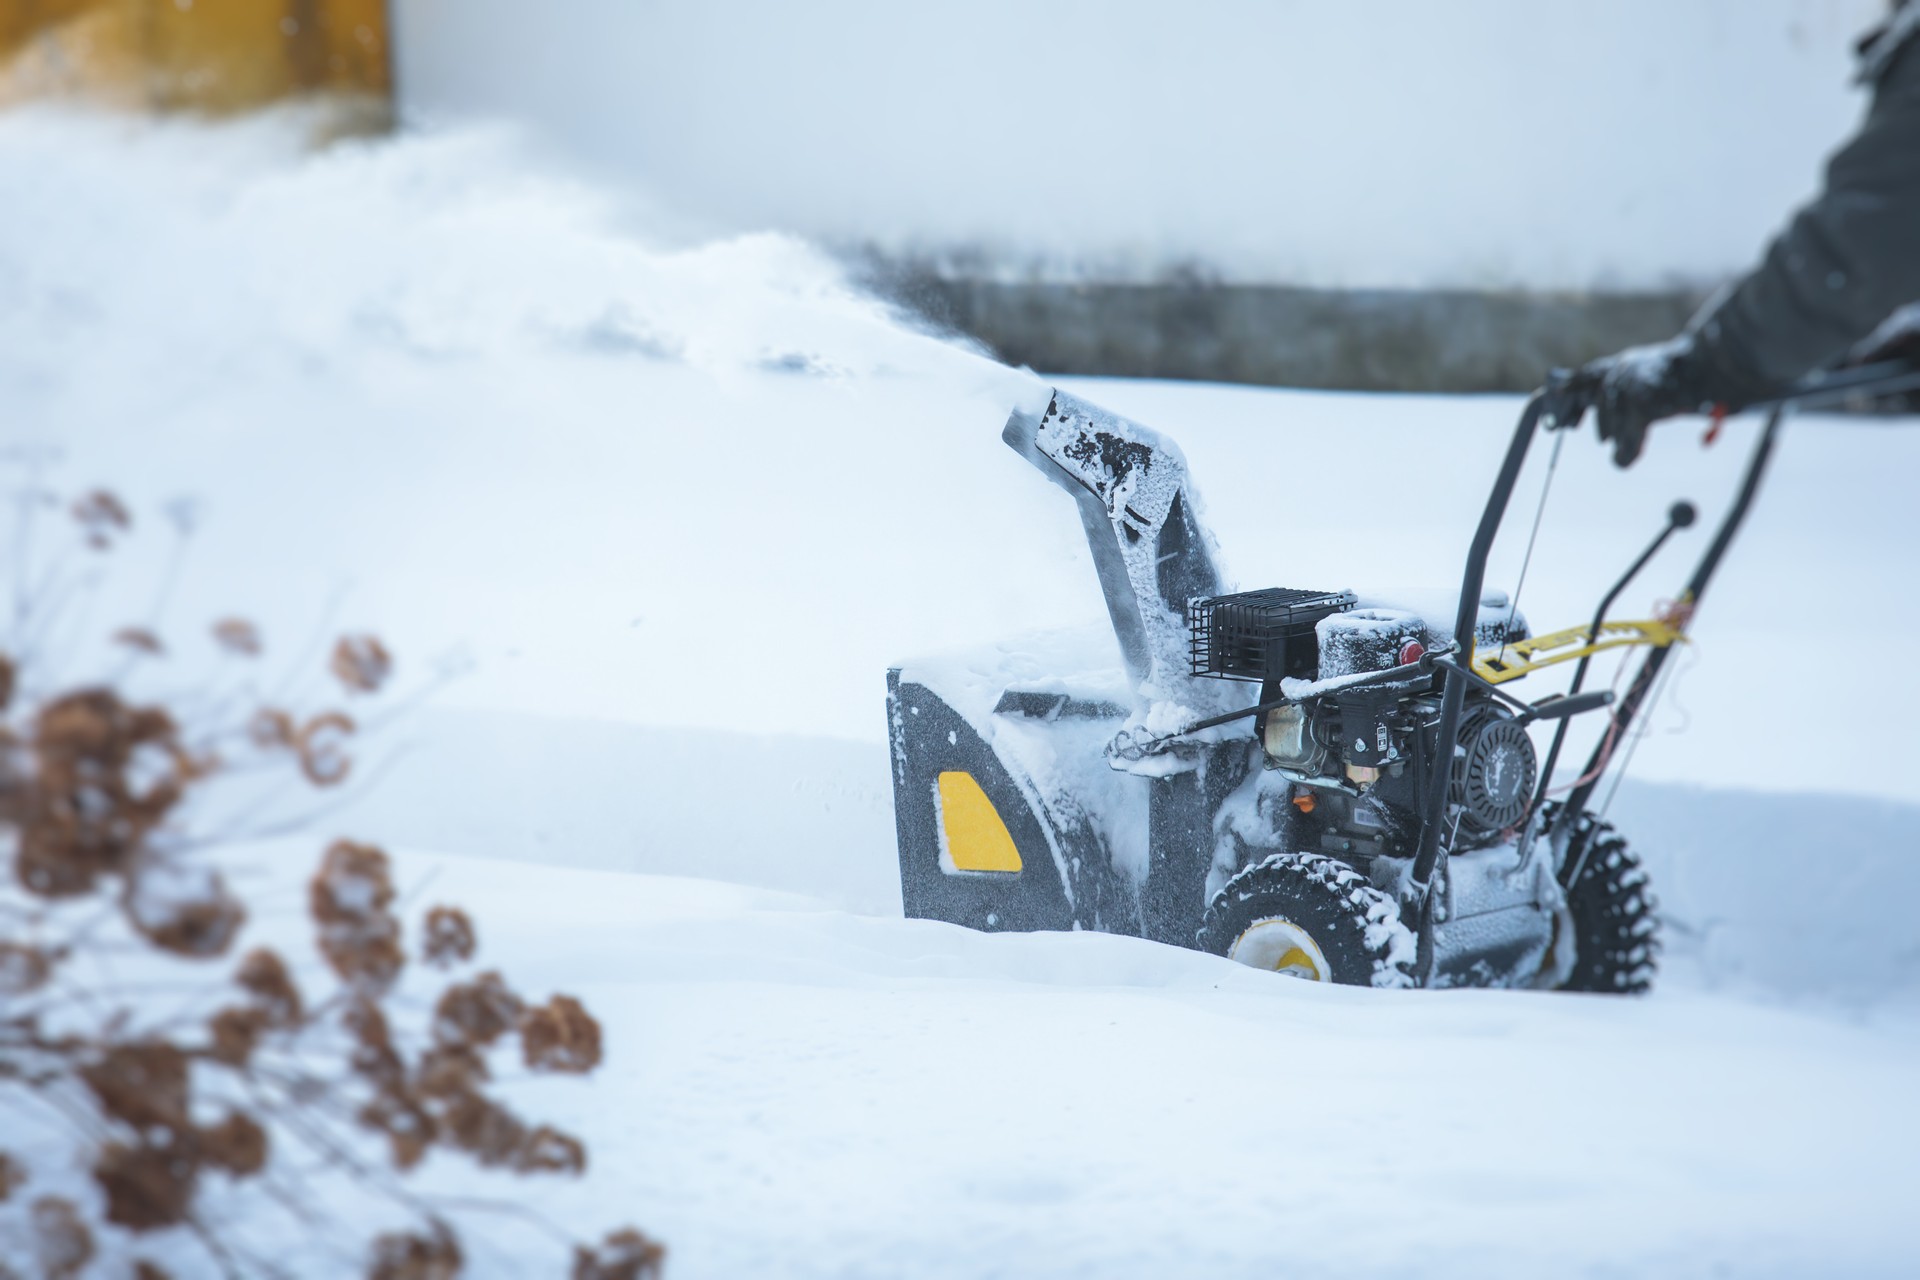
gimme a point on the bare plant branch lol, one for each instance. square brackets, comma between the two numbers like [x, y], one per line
[162, 1082]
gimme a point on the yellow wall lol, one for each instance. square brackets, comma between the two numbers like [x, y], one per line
[215, 56]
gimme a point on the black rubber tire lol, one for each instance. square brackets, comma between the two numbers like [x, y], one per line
[1616, 928]
[1356, 927]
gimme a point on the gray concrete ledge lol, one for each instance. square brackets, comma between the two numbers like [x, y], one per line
[1366, 339]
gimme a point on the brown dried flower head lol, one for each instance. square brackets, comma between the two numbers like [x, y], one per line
[410, 1130]
[483, 1129]
[450, 1070]
[237, 635]
[350, 899]
[101, 515]
[476, 1013]
[237, 1144]
[448, 938]
[184, 910]
[560, 1036]
[23, 968]
[147, 1185]
[623, 1255]
[140, 640]
[9, 674]
[406, 1256]
[374, 1055]
[62, 1244]
[233, 1033]
[271, 728]
[104, 774]
[263, 975]
[142, 1083]
[13, 1176]
[547, 1150]
[323, 756]
[361, 663]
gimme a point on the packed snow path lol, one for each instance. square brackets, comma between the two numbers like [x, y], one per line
[795, 1091]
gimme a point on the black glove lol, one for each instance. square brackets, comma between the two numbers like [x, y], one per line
[1896, 342]
[1633, 389]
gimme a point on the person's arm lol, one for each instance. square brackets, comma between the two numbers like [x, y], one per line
[1845, 263]
[1842, 266]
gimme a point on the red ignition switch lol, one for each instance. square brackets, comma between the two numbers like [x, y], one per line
[1411, 652]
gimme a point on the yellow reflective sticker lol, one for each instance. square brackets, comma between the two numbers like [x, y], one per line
[974, 838]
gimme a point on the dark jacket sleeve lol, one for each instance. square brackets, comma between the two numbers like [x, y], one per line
[1847, 261]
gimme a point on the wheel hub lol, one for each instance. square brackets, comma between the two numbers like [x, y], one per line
[1281, 946]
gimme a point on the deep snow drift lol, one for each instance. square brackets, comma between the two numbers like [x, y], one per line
[669, 512]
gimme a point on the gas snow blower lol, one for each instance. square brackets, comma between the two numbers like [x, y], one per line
[1302, 781]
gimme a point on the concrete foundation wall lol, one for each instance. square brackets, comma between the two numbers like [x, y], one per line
[1355, 339]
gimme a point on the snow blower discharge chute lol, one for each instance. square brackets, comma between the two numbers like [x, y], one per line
[1299, 780]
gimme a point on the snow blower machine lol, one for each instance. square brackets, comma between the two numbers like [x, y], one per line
[1304, 781]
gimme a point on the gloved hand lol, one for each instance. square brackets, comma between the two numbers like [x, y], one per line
[1892, 342]
[1633, 389]
[1896, 342]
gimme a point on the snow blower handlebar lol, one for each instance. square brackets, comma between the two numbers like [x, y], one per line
[1823, 391]
[1826, 390]
[1559, 407]
[1643, 681]
[1680, 516]
[1546, 403]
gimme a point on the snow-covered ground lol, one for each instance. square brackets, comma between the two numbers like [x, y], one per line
[668, 511]
[798, 1091]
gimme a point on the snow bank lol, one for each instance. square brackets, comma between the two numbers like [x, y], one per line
[1801, 898]
[1798, 898]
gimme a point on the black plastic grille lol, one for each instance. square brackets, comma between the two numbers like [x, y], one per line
[1260, 635]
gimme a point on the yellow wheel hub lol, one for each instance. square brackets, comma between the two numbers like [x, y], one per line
[1281, 946]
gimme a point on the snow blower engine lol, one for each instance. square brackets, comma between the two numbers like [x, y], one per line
[1309, 782]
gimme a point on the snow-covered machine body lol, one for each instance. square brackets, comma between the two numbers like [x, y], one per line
[1303, 780]
[1033, 789]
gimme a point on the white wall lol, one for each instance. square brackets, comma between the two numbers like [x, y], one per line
[1545, 143]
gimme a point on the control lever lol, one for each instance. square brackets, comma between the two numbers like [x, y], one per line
[1561, 706]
